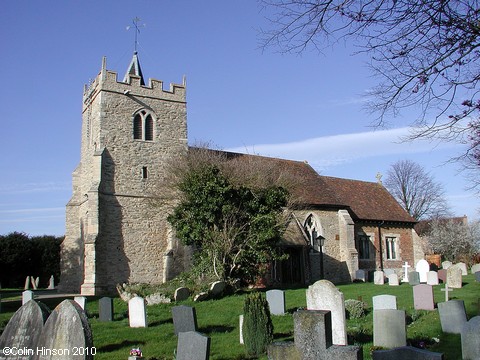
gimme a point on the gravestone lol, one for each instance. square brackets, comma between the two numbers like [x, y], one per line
[216, 289]
[432, 278]
[24, 328]
[35, 282]
[442, 275]
[393, 280]
[184, 319]
[463, 267]
[414, 278]
[201, 296]
[423, 267]
[81, 300]
[389, 329]
[67, 330]
[452, 316]
[192, 345]
[51, 283]
[378, 278]
[423, 297]
[105, 309]
[323, 295]
[137, 313]
[388, 272]
[446, 264]
[240, 327]
[182, 293]
[405, 271]
[471, 339]
[475, 268]
[361, 275]
[406, 352]
[454, 277]
[27, 295]
[384, 302]
[276, 301]
[447, 290]
[27, 283]
[477, 276]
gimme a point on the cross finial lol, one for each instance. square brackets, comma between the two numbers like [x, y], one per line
[379, 178]
[136, 25]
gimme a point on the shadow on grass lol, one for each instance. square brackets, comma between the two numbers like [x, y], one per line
[216, 329]
[118, 346]
[160, 322]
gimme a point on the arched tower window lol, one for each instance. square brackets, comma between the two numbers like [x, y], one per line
[313, 231]
[143, 126]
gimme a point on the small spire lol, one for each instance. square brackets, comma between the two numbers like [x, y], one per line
[134, 69]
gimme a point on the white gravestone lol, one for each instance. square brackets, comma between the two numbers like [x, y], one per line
[393, 280]
[137, 313]
[384, 302]
[378, 278]
[27, 295]
[423, 267]
[432, 278]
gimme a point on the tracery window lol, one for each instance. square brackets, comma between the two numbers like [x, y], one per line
[313, 231]
[143, 126]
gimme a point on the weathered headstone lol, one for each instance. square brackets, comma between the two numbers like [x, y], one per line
[471, 339]
[454, 277]
[432, 278]
[323, 295]
[389, 329]
[405, 271]
[442, 275]
[105, 309]
[406, 352]
[182, 293]
[66, 330]
[192, 345]
[27, 283]
[81, 300]
[384, 302]
[23, 330]
[423, 297]
[446, 264]
[393, 280]
[361, 275]
[477, 276]
[51, 283]
[216, 288]
[423, 267]
[276, 301]
[414, 278]
[27, 295]
[452, 316]
[475, 268]
[463, 267]
[378, 278]
[137, 313]
[184, 319]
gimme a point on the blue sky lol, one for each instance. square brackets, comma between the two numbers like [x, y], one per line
[307, 107]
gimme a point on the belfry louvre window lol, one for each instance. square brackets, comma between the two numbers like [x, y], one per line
[143, 126]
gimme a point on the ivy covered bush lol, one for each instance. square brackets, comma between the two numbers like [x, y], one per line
[355, 309]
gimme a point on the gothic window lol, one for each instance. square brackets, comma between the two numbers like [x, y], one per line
[143, 126]
[364, 247]
[149, 128]
[137, 127]
[313, 231]
[391, 247]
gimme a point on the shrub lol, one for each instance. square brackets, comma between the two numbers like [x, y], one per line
[257, 324]
[355, 309]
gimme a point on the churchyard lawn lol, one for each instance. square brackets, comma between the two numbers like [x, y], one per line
[219, 320]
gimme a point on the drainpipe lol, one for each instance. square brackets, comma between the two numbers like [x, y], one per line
[380, 242]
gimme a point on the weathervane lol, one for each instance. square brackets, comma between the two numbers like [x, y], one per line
[137, 30]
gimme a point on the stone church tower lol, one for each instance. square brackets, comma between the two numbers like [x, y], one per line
[114, 231]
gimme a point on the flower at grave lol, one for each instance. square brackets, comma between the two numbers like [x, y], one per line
[136, 352]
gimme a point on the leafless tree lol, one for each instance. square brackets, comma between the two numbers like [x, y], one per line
[416, 190]
[425, 51]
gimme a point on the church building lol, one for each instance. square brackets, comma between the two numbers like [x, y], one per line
[130, 131]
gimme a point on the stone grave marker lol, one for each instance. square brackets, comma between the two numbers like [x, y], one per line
[216, 289]
[240, 327]
[378, 278]
[432, 278]
[384, 302]
[452, 316]
[393, 280]
[423, 297]
[477, 276]
[192, 345]
[81, 300]
[27, 295]
[361, 275]
[137, 313]
[323, 295]
[27, 283]
[389, 328]
[463, 267]
[470, 336]
[442, 275]
[475, 268]
[446, 264]
[423, 267]
[51, 283]
[454, 277]
[66, 330]
[446, 289]
[414, 278]
[406, 352]
[184, 319]
[276, 301]
[35, 282]
[201, 296]
[405, 271]
[105, 309]
[388, 272]
[24, 328]
[182, 293]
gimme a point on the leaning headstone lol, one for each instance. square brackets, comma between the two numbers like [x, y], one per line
[454, 277]
[475, 268]
[423, 297]
[452, 316]
[442, 275]
[184, 319]
[323, 295]
[137, 313]
[423, 267]
[34, 282]
[51, 283]
[393, 280]
[414, 278]
[477, 276]
[105, 309]
[361, 275]
[389, 329]
[182, 293]
[446, 264]
[27, 295]
[406, 352]
[463, 267]
[432, 278]
[201, 296]
[384, 302]
[471, 339]
[67, 330]
[216, 288]
[378, 278]
[27, 283]
[192, 345]
[23, 330]
[276, 301]
[81, 300]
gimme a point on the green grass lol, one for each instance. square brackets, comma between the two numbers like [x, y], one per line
[219, 320]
